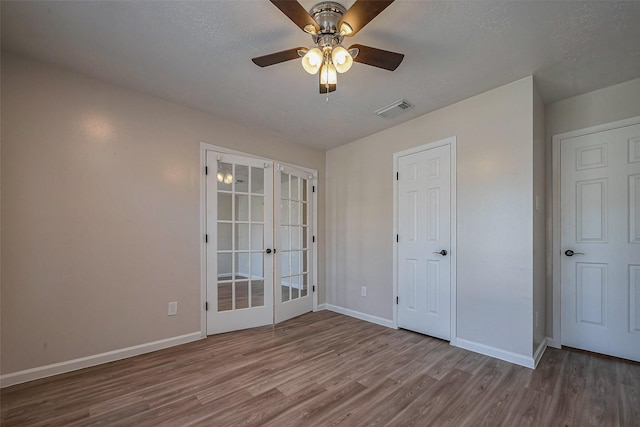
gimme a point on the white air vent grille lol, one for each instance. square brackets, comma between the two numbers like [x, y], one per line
[392, 110]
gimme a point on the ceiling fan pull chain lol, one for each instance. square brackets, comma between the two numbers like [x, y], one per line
[326, 85]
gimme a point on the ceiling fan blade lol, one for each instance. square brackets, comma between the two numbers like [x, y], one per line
[377, 57]
[361, 13]
[277, 57]
[296, 13]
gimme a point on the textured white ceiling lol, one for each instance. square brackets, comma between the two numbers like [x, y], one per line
[198, 54]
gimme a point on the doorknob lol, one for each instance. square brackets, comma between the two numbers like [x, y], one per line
[569, 252]
[442, 252]
[268, 251]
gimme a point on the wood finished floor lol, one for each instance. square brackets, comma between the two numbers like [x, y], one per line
[327, 369]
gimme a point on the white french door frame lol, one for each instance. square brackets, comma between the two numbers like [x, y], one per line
[556, 253]
[451, 141]
[280, 306]
[204, 147]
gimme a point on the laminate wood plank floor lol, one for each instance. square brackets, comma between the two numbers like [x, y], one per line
[328, 369]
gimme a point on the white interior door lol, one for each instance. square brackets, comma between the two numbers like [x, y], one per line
[294, 242]
[239, 201]
[424, 242]
[600, 242]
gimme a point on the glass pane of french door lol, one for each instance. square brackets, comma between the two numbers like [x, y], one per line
[293, 296]
[239, 266]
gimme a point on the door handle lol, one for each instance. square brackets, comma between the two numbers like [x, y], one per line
[268, 251]
[442, 252]
[569, 252]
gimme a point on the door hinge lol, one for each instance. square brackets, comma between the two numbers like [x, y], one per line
[313, 239]
[313, 189]
[397, 176]
[397, 238]
[314, 288]
[396, 300]
[206, 306]
[206, 238]
[206, 170]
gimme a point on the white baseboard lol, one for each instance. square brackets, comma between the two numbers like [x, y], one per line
[321, 307]
[507, 356]
[97, 359]
[358, 315]
[539, 352]
[553, 343]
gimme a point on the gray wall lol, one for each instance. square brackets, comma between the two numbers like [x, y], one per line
[539, 224]
[495, 184]
[101, 213]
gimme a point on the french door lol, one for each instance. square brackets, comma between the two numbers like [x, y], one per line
[251, 244]
[239, 242]
[293, 294]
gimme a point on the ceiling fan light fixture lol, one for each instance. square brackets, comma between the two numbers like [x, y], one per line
[342, 59]
[328, 74]
[311, 29]
[225, 178]
[345, 29]
[312, 60]
[328, 23]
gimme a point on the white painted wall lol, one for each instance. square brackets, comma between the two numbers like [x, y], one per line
[495, 182]
[101, 213]
[618, 102]
[540, 274]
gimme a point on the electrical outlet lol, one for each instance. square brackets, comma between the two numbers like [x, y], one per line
[173, 308]
[363, 291]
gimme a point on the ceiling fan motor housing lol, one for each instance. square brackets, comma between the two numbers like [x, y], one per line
[327, 14]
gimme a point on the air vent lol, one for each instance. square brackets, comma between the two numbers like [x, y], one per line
[392, 110]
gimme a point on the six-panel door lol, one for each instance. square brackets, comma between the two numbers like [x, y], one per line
[600, 242]
[424, 241]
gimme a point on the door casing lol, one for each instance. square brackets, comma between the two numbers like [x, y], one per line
[451, 141]
[556, 255]
[204, 147]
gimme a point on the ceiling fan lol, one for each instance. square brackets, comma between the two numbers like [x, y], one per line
[329, 23]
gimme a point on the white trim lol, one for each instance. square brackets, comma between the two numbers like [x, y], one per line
[555, 240]
[556, 255]
[97, 359]
[553, 343]
[241, 275]
[203, 244]
[320, 307]
[362, 316]
[537, 355]
[454, 239]
[205, 146]
[518, 359]
[451, 141]
[314, 245]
